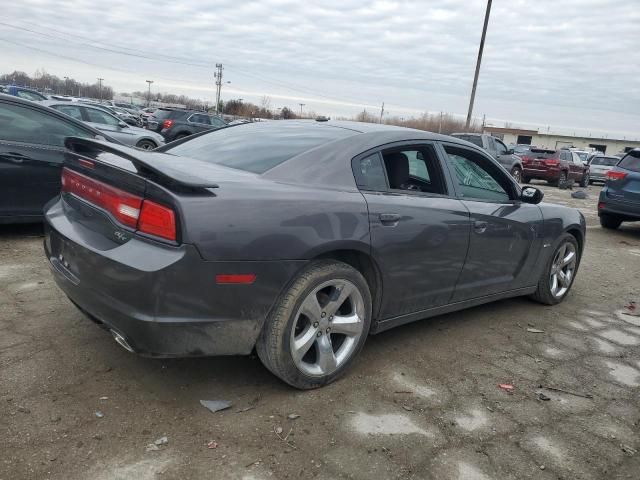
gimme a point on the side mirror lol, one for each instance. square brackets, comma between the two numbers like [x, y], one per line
[122, 124]
[531, 195]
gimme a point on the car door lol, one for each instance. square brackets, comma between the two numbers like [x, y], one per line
[578, 166]
[31, 155]
[199, 122]
[419, 233]
[502, 156]
[503, 242]
[110, 124]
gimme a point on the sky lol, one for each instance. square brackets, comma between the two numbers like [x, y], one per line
[562, 66]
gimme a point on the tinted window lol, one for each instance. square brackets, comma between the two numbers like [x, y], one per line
[258, 147]
[71, 110]
[606, 161]
[198, 118]
[475, 139]
[371, 173]
[22, 124]
[502, 149]
[521, 150]
[583, 156]
[218, 122]
[162, 114]
[98, 116]
[476, 177]
[414, 169]
[491, 144]
[541, 153]
[630, 162]
[36, 97]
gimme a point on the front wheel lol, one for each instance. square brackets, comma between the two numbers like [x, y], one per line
[318, 326]
[516, 173]
[585, 181]
[559, 272]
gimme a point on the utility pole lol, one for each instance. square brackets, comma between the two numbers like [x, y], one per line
[301, 105]
[66, 81]
[440, 124]
[100, 87]
[381, 112]
[480, 50]
[149, 93]
[218, 76]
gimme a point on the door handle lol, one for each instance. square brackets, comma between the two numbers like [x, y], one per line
[480, 227]
[390, 219]
[14, 157]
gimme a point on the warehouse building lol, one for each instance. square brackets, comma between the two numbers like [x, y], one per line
[552, 140]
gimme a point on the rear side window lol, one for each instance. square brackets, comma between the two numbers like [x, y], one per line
[370, 174]
[475, 139]
[97, 116]
[258, 147]
[27, 125]
[630, 162]
[606, 161]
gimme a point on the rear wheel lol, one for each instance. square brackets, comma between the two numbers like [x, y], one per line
[318, 326]
[146, 145]
[516, 173]
[609, 221]
[559, 272]
[560, 181]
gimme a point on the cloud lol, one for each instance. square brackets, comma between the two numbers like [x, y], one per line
[577, 58]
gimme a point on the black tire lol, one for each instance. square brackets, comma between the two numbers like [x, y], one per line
[543, 293]
[146, 145]
[273, 345]
[516, 173]
[526, 179]
[585, 181]
[609, 221]
[560, 181]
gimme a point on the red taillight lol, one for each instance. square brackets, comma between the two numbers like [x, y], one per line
[124, 206]
[551, 162]
[615, 175]
[526, 159]
[601, 205]
[158, 220]
[130, 210]
[167, 124]
[243, 278]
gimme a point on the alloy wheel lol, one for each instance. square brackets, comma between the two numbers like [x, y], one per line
[327, 327]
[563, 269]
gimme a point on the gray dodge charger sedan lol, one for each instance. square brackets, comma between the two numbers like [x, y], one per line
[298, 239]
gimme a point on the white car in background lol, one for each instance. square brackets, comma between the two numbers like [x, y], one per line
[98, 118]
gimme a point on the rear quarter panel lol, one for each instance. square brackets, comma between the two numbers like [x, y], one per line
[265, 220]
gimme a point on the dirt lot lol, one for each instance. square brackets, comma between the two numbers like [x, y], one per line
[422, 401]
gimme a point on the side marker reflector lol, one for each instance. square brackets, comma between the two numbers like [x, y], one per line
[237, 279]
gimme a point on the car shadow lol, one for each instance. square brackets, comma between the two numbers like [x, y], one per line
[21, 230]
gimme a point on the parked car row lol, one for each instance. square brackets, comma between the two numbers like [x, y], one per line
[174, 124]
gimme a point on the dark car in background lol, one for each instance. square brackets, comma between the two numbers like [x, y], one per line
[557, 167]
[497, 149]
[298, 239]
[174, 124]
[31, 155]
[620, 198]
[599, 166]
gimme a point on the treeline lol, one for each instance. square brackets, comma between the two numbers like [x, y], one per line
[444, 123]
[52, 84]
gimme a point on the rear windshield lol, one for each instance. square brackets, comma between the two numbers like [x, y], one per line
[542, 153]
[606, 161]
[630, 162]
[475, 139]
[258, 147]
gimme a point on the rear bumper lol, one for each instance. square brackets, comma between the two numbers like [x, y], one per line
[541, 174]
[628, 211]
[162, 300]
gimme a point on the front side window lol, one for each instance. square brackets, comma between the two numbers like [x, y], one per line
[98, 116]
[501, 147]
[27, 125]
[34, 97]
[475, 176]
[217, 122]
[197, 118]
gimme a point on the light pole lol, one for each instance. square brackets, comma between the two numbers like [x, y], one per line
[475, 77]
[149, 93]
[301, 105]
[100, 87]
[66, 81]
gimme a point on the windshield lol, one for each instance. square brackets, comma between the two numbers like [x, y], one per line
[258, 147]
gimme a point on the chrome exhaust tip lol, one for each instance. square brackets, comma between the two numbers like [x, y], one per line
[121, 341]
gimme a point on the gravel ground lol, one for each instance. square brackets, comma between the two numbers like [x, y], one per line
[422, 402]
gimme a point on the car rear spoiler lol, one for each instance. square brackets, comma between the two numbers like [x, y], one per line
[144, 162]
